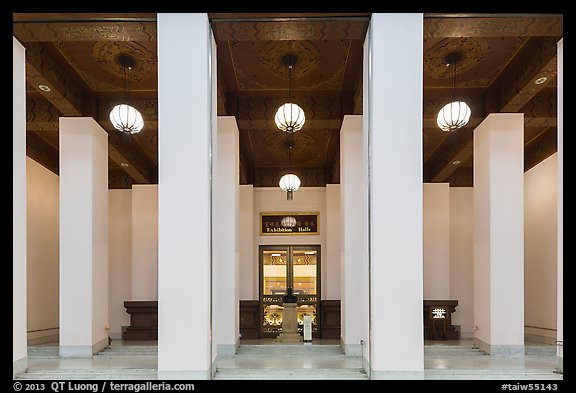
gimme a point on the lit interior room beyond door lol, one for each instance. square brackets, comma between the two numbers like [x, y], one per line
[281, 267]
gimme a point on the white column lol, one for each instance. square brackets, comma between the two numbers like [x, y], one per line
[144, 242]
[248, 275]
[331, 258]
[394, 123]
[499, 234]
[354, 245]
[83, 237]
[185, 104]
[560, 207]
[19, 326]
[120, 259]
[225, 252]
[436, 237]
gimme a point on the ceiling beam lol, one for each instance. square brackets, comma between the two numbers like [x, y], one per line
[49, 31]
[520, 83]
[41, 151]
[540, 148]
[43, 70]
[520, 26]
[290, 29]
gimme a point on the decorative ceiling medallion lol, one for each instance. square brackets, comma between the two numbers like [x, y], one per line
[106, 53]
[272, 54]
[473, 49]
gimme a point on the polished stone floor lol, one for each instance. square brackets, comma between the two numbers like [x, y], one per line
[322, 359]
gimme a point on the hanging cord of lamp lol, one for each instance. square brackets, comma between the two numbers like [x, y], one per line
[289, 182]
[124, 117]
[289, 117]
[455, 114]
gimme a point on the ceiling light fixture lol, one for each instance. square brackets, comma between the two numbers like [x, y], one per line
[540, 80]
[455, 114]
[124, 117]
[289, 182]
[289, 117]
[44, 88]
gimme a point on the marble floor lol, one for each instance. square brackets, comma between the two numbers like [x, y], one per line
[443, 360]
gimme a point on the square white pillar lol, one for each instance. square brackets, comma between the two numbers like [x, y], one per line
[19, 323]
[499, 234]
[393, 104]
[560, 207]
[144, 242]
[186, 114]
[331, 268]
[248, 275]
[83, 237]
[354, 244]
[225, 252]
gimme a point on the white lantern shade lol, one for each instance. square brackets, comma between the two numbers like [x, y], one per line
[126, 118]
[289, 117]
[289, 182]
[453, 116]
[288, 222]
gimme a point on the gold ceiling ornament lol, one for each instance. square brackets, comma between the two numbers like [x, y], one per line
[106, 54]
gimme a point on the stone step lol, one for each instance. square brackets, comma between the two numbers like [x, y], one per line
[288, 350]
[100, 373]
[280, 374]
[43, 352]
[510, 374]
[133, 349]
[128, 352]
[452, 351]
[540, 350]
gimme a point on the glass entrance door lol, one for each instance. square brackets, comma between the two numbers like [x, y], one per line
[281, 267]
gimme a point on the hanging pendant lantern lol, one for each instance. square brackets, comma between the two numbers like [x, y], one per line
[455, 114]
[289, 183]
[288, 222]
[290, 117]
[125, 118]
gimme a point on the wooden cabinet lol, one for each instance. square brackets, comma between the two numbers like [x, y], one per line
[249, 319]
[438, 320]
[330, 321]
[143, 320]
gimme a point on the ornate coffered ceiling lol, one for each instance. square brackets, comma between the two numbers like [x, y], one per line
[75, 55]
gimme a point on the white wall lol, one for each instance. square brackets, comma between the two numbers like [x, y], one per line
[540, 250]
[306, 199]
[144, 242]
[42, 253]
[256, 200]
[462, 257]
[436, 238]
[120, 259]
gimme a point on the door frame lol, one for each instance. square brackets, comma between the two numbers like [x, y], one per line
[289, 278]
